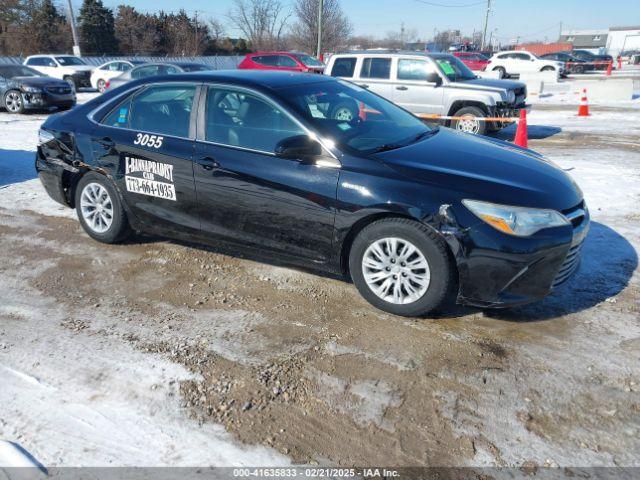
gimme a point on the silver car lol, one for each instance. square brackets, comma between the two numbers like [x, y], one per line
[155, 69]
[433, 83]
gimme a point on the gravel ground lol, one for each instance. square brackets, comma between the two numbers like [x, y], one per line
[282, 365]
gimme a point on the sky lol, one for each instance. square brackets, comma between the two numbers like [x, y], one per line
[528, 19]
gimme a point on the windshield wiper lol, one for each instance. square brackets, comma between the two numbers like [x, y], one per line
[392, 146]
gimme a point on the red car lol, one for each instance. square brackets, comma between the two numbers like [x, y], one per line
[288, 61]
[473, 60]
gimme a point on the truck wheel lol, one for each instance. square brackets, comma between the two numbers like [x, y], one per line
[470, 123]
[13, 101]
[99, 209]
[345, 111]
[502, 73]
[402, 267]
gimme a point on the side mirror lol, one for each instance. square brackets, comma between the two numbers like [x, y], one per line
[433, 77]
[299, 147]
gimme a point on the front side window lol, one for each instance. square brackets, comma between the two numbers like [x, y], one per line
[411, 69]
[344, 67]
[162, 109]
[284, 61]
[241, 119]
[353, 117]
[376, 68]
[454, 69]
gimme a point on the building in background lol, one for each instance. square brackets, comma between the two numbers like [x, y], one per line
[623, 39]
[594, 41]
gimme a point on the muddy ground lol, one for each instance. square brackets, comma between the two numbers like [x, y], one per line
[301, 363]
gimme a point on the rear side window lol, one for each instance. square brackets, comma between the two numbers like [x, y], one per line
[376, 68]
[269, 60]
[344, 67]
[159, 109]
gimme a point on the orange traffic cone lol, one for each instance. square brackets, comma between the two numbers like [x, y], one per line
[521, 138]
[609, 68]
[583, 109]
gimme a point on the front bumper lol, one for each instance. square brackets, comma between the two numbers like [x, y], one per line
[46, 99]
[498, 270]
[82, 79]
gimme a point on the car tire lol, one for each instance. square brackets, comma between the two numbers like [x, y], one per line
[71, 82]
[100, 210]
[438, 277]
[344, 110]
[502, 73]
[14, 102]
[102, 85]
[477, 127]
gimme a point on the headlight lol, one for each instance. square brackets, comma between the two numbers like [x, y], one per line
[518, 221]
[28, 89]
[511, 96]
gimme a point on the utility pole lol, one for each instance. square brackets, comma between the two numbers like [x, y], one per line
[560, 33]
[74, 32]
[486, 23]
[195, 38]
[320, 12]
[402, 35]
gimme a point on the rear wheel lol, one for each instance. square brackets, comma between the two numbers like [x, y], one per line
[471, 121]
[102, 86]
[502, 73]
[13, 101]
[401, 266]
[99, 209]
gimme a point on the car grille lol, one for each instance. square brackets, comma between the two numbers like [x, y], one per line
[59, 90]
[576, 216]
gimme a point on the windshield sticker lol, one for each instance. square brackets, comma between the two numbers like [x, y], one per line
[142, 176]
[122, 116]
[344, 126]
[446, 67]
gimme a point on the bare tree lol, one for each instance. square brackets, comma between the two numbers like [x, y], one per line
[262, 22]
[336, 27]
[216, 29]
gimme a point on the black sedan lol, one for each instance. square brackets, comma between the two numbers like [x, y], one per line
[23, 88]
[411, 214]
[572, 64]
[593, 61]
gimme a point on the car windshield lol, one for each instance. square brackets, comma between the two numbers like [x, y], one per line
[11, 71]
[69, 61]
[310, 61]
[354, 118]
[454, 69]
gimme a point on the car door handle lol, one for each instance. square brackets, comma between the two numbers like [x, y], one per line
[106, 142]
[402, 88]
[208, 163]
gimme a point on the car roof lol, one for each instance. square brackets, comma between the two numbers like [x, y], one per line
[258, 79]
[403, 53]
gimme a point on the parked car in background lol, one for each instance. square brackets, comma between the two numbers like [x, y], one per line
[516, 62]
[571, 64]
[474, 60]
[155, 69]
[23, 88]
[105, 72]
[431, 83]
[626, 56]
[287, 61]
[64, 67]
[415, 216]
[592, 61]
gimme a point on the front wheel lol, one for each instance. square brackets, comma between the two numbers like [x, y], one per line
[99, 209]
[102, 86]
[401, 266]
[13, 102]
[502, 73]
[471, 121]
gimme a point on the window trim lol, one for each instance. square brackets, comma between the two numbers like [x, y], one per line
[202, 111]
[136, 90]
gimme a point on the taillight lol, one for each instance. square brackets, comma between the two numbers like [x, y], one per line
[107, 85]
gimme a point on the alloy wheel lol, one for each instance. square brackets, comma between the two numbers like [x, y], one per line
[343, 114]
[396, 270]
[96, 207]
[13, 102]
[468, 124]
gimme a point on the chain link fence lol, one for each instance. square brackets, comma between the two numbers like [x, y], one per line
[222, 62]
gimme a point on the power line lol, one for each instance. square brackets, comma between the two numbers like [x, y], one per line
[434, 4]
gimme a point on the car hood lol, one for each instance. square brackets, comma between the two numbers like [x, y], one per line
[485, 169]
[38, 81]
[489, 84]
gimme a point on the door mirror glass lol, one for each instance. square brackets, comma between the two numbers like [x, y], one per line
[298, 147]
